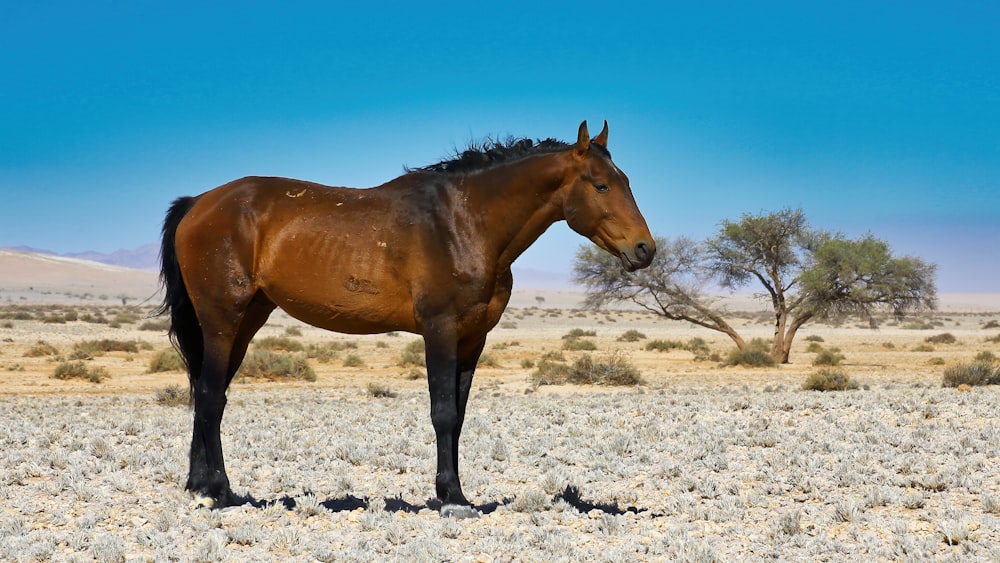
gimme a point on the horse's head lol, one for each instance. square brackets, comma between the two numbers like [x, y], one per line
[599, 203]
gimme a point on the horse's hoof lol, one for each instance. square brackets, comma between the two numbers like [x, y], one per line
[458, 511]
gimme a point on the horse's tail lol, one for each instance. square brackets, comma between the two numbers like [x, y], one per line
[185, 331]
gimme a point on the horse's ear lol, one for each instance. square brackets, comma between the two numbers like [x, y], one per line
[582, 138]
[602, 138]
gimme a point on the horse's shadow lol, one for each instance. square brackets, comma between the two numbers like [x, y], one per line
[349, 503]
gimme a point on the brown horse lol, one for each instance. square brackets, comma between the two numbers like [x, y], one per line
[429, 253]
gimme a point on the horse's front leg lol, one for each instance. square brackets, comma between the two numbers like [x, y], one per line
[448, 397]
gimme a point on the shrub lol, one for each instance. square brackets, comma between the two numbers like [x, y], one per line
[756, 354]
[578, 344]
[986, 357]
[380, 390]
[578, 333]
[978, 373]
[829, 380]
[413, 354]
[936, 361]
[923, 348]
[293, 331]
[527, 363]
[272, 366]
[664, 345]
[41, 348]
[830, 357]
[158, 325]
[991, 324]
[166, 360]
[814, 338]
[79, 370]
[993, 339]
[814, 347]
[488, 361]
[353, 361]
[550, 372]
[324, 353]
[613, 370]
[279, 344]
[700, 349]
[173, 396]
[99, 347]
[943, 338]
[631, 335]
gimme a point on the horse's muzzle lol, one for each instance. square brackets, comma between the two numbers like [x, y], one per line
[640, 257]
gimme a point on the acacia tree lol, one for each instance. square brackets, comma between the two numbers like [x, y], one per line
[806, 273]
[671, 286]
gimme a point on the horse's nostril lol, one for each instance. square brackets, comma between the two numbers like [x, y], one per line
[643, 252]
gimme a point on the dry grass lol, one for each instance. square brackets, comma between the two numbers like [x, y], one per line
[695, 463]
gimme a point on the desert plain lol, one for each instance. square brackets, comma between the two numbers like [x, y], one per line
[699, 461]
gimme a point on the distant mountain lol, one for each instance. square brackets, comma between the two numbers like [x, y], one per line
[145, 257]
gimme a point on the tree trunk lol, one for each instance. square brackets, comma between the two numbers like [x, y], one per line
[797, 323]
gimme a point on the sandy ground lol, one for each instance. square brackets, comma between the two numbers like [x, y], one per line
[698, 463]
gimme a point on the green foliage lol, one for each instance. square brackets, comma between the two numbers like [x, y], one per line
[977, 373]
[828, 379]
[757, 354]
[828, 357]
[943, 338]
[275, 366]
[166, 360]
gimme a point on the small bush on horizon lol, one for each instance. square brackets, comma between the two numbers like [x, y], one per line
[293, 331]
[993, 339]
[986, 357]
[828, 379]
[943, 338]
[664, 345]
[100, 347]
[579, 344]
[578, 333]
[991, 324]
[158, 325]
[631, 335]
[614, 369]
[814, 338]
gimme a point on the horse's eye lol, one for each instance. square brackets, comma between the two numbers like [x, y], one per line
[601, 187]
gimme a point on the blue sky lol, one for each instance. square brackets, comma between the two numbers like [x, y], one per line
[879, 117]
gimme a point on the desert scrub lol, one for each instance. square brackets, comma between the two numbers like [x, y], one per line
[631, 335]
[79, 370]
[273, 366]
[353, 360]
[173, 396]
[157, 325]
[757, 354]
[828, 357]
[380, 390]
[664, 345]
[993, 339]
[413, 354]
[488, 361]
[814, 338]
[99, 347]
[976, 373]
[40, 349]
[166, 360]
[293, 331]
[578, 333]
[614, 369]
[828, 379]
[279, 344]
[943, 338]
[579, 344]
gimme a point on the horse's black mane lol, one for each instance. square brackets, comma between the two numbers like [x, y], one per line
[490, 152]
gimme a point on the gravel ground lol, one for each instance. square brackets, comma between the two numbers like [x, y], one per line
[898, 472]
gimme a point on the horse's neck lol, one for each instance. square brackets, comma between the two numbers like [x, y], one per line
[524, 196]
